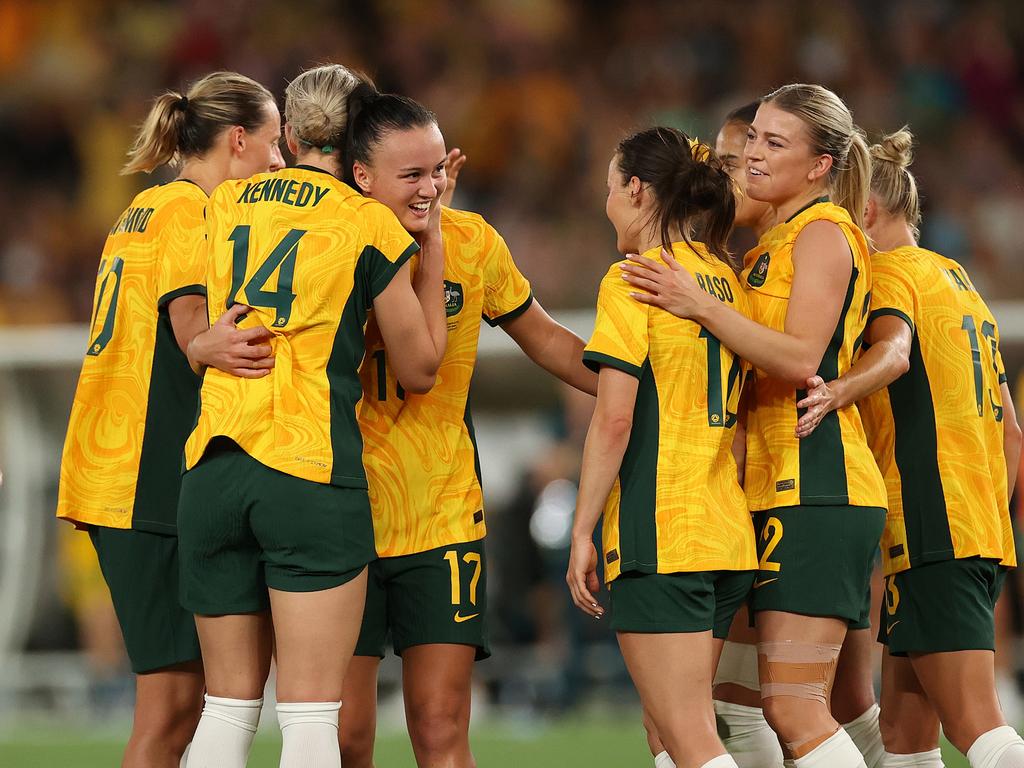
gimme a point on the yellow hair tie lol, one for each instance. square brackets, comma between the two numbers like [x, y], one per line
[701, 152]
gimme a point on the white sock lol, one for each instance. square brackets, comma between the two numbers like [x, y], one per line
[999, 748]
[184, 756]
[662, 760]
[932, 759]
[837, 751]
[309, 732]
[225, 733]
[750, 740]
[722, 761]
[865, 734]
[788, 764]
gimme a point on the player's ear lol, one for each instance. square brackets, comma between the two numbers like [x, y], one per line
[636, 192]
[362, 177]
[236, 139]
[290, 140]
[822, 165]
[870, 213]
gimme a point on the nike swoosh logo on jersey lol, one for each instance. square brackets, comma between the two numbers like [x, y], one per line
[460, 618]
[888, 629]
[762, 582]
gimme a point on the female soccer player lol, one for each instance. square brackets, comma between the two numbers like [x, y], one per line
[942, 426]
[274, 511]
[136, 396]
[678, 543]
[747, 735]
[819, 506]
[428, 589]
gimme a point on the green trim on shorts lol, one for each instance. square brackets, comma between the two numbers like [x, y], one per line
[141, 570]
[678, 602]
[436, 596]
[816, 560]
[244, 528]
[941, 607]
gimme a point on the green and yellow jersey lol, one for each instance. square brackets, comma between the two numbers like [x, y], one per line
[834, 465]
[419, 450]
[308, 254]
[136, 396]
[937, 431]
[676, 505]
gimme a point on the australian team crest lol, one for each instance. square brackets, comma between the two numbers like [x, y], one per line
[453, 298]
[759, 272]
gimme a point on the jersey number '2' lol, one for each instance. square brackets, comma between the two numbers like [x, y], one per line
[280, 260]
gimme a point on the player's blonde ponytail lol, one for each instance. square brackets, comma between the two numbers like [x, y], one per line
[317, 105]
[892, 184]
[832, 132]
[180, 126]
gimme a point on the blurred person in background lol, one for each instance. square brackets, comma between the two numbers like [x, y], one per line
[274, 516]
[136, 396]
[428, 589]
[658, 463]
[942, 425]
[819, 506]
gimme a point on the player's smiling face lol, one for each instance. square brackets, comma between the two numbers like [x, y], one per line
[780, 161]
[262, 146]
[622, 209]
[407, 174]
[730, 145]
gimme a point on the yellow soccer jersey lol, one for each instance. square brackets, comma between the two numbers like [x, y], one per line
[833, 466]
[136, 396]
[676, 505]
[937, 431]
[309, 254]
[419, 450]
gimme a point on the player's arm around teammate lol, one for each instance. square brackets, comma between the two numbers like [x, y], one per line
[658, 463]
[815, 506]
[274, 513]
[137, 391]
[940, 664]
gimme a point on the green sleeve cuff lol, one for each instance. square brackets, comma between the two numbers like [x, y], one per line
[892, 311]
[185, 290]
[496, 321]
[594, 361]
[385, 270]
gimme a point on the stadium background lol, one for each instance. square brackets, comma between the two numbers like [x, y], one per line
[536, 92]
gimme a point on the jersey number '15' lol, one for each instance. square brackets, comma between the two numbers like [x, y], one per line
[280, 260]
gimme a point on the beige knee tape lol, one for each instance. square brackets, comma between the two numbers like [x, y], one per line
[795, 668]
[738, 666]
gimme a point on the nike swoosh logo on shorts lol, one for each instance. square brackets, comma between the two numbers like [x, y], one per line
[762, 582]
[460, 618]
[888, 629]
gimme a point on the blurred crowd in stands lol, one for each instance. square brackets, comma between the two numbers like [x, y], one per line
[537, 93]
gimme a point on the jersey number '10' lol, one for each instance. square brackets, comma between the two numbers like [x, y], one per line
[280, 260]
[112, 284]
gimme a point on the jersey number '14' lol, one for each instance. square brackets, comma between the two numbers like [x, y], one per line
[722, 403]
[280, 260]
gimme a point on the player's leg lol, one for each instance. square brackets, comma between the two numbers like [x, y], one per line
[437, 606]
[316, 541]
[815, 567]
[853, 693]
[437, 683]
[141, 570]
[943, 619]
[908, 722]
[358, 724]
[737, 698]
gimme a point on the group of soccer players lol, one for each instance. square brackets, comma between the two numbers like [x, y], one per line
[272, 449]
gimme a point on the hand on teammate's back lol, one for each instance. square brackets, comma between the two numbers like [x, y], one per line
[241, 352]
[819, 402]
[666, 284]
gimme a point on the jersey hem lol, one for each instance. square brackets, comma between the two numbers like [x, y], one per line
[892, 312]
[152, 526]
[512, 315]
[594, 361]
[419, 550]
[186, 290]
